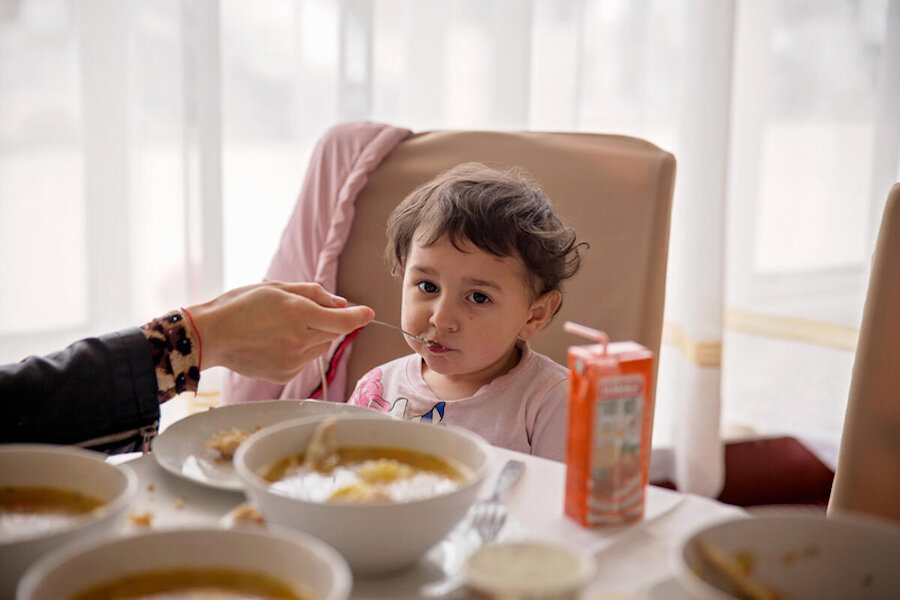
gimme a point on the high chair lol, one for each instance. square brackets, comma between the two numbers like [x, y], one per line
[615, 190]
[867, 478]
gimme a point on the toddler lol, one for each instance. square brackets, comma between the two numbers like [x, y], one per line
[482, 256]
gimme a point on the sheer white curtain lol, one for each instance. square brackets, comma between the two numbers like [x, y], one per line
[109, 207]
[150, 154]
[815, 147]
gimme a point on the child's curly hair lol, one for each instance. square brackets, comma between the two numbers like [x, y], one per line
[504, 213]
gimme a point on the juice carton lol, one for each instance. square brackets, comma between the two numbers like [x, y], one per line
[610, 424]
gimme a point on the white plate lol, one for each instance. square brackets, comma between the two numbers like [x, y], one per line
[800, 555]
[181, 448]
[667, 588]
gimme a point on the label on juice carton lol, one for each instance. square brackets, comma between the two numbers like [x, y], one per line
[610, 424]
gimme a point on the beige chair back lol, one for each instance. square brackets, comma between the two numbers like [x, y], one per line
[615, 190]
[867, 478]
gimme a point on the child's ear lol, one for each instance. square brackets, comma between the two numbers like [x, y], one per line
[542, 310]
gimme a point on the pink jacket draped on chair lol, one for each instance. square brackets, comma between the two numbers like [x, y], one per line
[314, 237]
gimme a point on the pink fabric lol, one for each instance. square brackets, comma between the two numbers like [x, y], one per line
[315, 236]
[524, 410]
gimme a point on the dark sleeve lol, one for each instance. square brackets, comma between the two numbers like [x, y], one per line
[101, 387]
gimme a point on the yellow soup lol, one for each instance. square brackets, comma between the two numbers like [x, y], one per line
[192, 584]
[366, 474]
[27, 511]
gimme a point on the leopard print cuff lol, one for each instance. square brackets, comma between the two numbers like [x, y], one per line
[175, 349]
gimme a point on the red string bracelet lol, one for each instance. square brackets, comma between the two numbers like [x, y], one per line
[199, 341]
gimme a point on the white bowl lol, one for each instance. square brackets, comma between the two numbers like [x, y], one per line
[528, 570]
[802, 557]
[298, 560]
[65, 468]
[373, 537]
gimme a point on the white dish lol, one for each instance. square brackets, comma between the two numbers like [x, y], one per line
[801, 557]
[666, 588]
[66, 468]
[374, 537]
[181, 449]
[528, 570]
[306, 564]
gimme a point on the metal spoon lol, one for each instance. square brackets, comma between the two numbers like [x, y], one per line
[406, 333]
[377, 322]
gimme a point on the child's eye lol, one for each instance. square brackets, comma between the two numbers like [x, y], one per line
[427, 287]
[478, 298]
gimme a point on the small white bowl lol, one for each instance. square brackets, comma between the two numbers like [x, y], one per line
[308, 565]
[530, 570]
[64, 468]
[801, 557]
[373, 537]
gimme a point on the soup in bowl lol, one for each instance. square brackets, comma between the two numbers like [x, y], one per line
[381, 491]
[193, 563]
[53, 495]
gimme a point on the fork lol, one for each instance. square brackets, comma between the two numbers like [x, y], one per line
[488, 516]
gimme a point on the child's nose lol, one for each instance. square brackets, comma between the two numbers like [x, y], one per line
[443, 317]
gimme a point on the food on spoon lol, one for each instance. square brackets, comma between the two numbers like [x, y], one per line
[27, 510]
[226, 442]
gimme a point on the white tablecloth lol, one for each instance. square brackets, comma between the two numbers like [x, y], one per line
[629, 558]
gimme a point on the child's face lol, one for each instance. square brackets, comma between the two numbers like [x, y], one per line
[471, 306]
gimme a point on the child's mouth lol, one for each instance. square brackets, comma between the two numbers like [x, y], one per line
[436, 348]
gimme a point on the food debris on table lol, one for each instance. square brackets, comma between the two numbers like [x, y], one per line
[144, 519]
[248, 513]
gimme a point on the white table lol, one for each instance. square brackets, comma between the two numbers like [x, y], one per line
[629, 558]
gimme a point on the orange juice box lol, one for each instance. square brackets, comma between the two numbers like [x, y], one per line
[610, 426]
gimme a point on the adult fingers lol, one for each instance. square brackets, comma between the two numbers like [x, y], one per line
[342, 320]
[314, 292]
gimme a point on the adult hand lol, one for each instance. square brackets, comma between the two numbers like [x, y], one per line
[272, 330]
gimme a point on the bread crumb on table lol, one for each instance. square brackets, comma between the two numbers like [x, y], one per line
[247, 513]
[144, 519]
